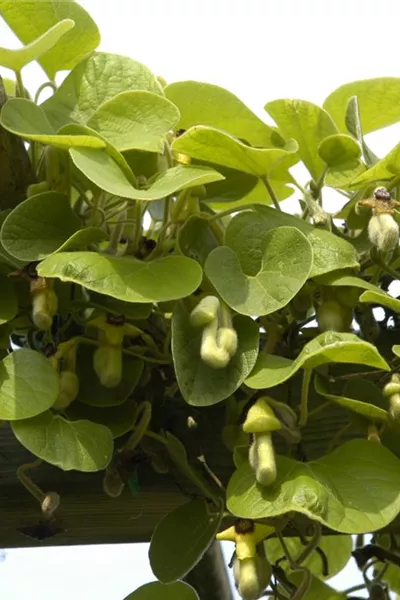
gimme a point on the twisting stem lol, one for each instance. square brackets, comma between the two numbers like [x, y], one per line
[271, 192]
[28, 484]
[20, 86]
[142, 420]
[42, 87]
[304, 397]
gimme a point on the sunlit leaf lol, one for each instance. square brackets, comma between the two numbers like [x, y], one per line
[171, 591]
[360, 498]
[271, 370]
[338, 149]
[118, 419]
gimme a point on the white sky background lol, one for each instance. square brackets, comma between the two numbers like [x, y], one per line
[261, 50]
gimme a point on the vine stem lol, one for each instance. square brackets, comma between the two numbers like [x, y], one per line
[142, 420]
[305, 387]
[271, 192]
[28, 484]
[20, 85]
[229, 211]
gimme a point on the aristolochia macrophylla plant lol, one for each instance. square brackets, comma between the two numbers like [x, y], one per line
[149, 266]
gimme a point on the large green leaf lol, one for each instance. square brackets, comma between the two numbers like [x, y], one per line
[200, 384]
[308, 124]
[181, 538]
[381, 298]
[69, 445]
[317, 589]
[16, 59]
[28, 385]
[345, 279]
[126, 278]
[161, 591]
[220, 148]
[379, 101]
[8, 299]
[94, 81]
[363, 408]
[101, 168]
[135, 120]
[118, 419]
[271, 370]
[207, 104]
[337, 549]
[248, 229]
[196, 239]
[92, 393]
[360, 498]
[30, 19]
[262, 284]
[39, 226]
[24, 118]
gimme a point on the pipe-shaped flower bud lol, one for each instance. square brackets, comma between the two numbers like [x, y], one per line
[392, 391]
[261, 421]
[107, 362]
[210, 352]
[44, 302]
[383, 232]
[205, 312]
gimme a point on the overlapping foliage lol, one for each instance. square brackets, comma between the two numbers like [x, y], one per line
[149, 200]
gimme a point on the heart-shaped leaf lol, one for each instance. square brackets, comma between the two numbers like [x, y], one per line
[207, 104]
[27, 120]
[271, 370]
[361, 498]
[196, 239]
[181, 538]
[344, 279]
[337, 550]
[28, 20]
[378, 101]
[262, 284]
[171, 591]
[94, 81]
[248, 229]
[384, 170]
[28, 385]
[126, 278]
[92, 393]
[381, 298]
[69, 445]
[308, 124]
[39, 226]
[103, 170]
[339, 149]
[118, 419]
[16, 59]
[8, 299]
[200, 384]
[215, 146]
[83, 238]
[365, 409]
[135, 120]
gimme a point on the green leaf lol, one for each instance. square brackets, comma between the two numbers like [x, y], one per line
[363, 408]
[93, 82]
[135, 120]
[353, 124]
[343, 278]
[28, 385]
[248, 229]
[27, 120]
[271, 370]
[381, 298]
[181, 538]
[396, 350]
[83, 238]
[308, 124]
[126, 278]
[129, 309]
[92, 393]
[337, 549]
[215, 146]
[196, 239]
[28, 20]
[379, 101]
[384, 170]
[361, 498]
[318, 589]
[207, 104]
[118, 419]
[343, 176]
[200, 384]
[69, 445]
[39, 226]
[338, 149]
[16, 59]
[102, 169]
[262, 284]
[8, 299]
[156, 590]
